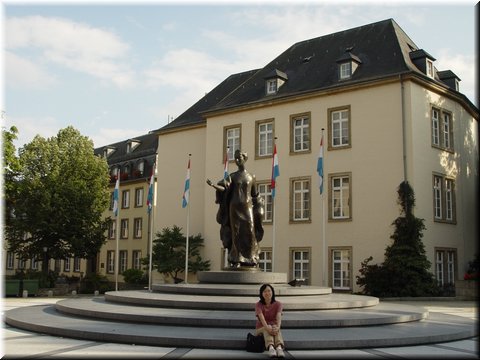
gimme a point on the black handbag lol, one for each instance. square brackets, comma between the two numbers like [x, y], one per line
[256, 343]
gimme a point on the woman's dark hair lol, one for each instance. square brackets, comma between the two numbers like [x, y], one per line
[262, 288]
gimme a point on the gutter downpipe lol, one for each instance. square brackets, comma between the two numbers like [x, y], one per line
[404, 129]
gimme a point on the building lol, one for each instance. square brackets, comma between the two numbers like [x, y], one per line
[386, 115]
[134, 160]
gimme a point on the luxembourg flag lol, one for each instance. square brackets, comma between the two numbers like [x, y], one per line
[115, 194]
[186, 192]
[275, 170]
[225, 167]
[320, 166]
[150, 191]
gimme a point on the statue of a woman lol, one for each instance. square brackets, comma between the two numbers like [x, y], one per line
[240, 214]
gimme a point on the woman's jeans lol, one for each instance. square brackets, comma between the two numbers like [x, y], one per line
[270, 339]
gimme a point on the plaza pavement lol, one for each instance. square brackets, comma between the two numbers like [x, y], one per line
[17, 343]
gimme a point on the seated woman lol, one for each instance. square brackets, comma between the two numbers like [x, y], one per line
[269, 319]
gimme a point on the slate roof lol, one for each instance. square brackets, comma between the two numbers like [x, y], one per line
[382, 49]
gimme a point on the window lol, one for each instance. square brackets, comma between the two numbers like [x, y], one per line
[265, 191]
[300, 200]
[124, 229]
[111, 201]
[10, 260]
[57, 265]
[430, 70]
[137, 259]
[21, 264]
[444, 199]
[264, 138]
[123, 260]
[139, 197]
[265, 260]
[300, 264]
[76, 264]
[111, 229]
[125, 199]
[66, 265]
[445, 265]
[339, 128]
[110, 262]
[345, 70]
[341, 269]
[271, 86]
[300, 133]
[232, 141]
[137, 228]
[34, 263]
[442, 129]
[340, 195]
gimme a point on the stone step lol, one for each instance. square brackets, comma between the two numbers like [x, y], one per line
[217, 302]
[46, 319]
[98, 308]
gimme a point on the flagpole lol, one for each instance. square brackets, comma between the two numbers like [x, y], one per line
[324, 270]
[117, 232]
[273, 206]
[150, 243]
[188, 225]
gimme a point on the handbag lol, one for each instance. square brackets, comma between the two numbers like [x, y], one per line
[255, 343]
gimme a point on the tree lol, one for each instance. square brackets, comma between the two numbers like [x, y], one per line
[11, 169]
[62, 192]
[405, 269]
[168, 253]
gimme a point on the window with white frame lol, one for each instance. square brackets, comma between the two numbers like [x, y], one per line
[125, 199]
[442, 129]
[124, 228]
[111, 229]
[123, 260]
[110, 262]
[271, 86]
[57, 265]
[445, 264]
[300, 128]
[265, 260]
[66, 265]
[137, 228]
[10, 260]
[339, 128]
[341, 269]
[444, 199]
[340, 195]
[264, 138]
[76, 264]
[265, 191]
[300, 264]
[345, 70]
[136, 259]
[34, 263]
[139, 197]
[21, 264]
[300, 199]
[430, 69]
[232, 140]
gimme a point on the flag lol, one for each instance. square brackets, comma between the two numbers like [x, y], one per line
[150, 191]
[186, 192]
[115, 194]
[275, 170]
[320, 166]
[225, 168]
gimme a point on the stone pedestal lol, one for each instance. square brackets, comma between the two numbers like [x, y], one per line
[242, 276]
[466, 289]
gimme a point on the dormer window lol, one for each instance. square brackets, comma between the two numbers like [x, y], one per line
[449, 78]
[273, 81]
[424, 62]
[347, 64]
[430, 72]
[131, 145]
[107, 151]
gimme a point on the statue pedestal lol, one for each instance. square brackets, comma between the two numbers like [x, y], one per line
[241, 276]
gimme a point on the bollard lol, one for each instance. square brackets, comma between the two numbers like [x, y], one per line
[25, 293]
[74, 292]
[50, 293]
[96, 293]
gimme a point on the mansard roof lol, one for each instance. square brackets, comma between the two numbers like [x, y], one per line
[146, 149]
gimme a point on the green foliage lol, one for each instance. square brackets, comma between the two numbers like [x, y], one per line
[11, 169]
[168, 253]
[94, 281]
[135, 276]
[62, 192]
[405, 269]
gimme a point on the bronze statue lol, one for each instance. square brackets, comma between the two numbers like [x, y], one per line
[240, 214]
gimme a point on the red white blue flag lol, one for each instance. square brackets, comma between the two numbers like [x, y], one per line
[186, 192]
[275, 170]
[150, 191]
[320, 166]
[225, 167]
[116, 194]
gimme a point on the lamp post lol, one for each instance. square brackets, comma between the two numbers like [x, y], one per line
[45, 260]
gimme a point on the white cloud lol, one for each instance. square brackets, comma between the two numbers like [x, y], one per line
[106, 136]
[23, 73]
[74, 45]
[29, 127]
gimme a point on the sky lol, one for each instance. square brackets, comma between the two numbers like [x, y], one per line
[116, 70]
